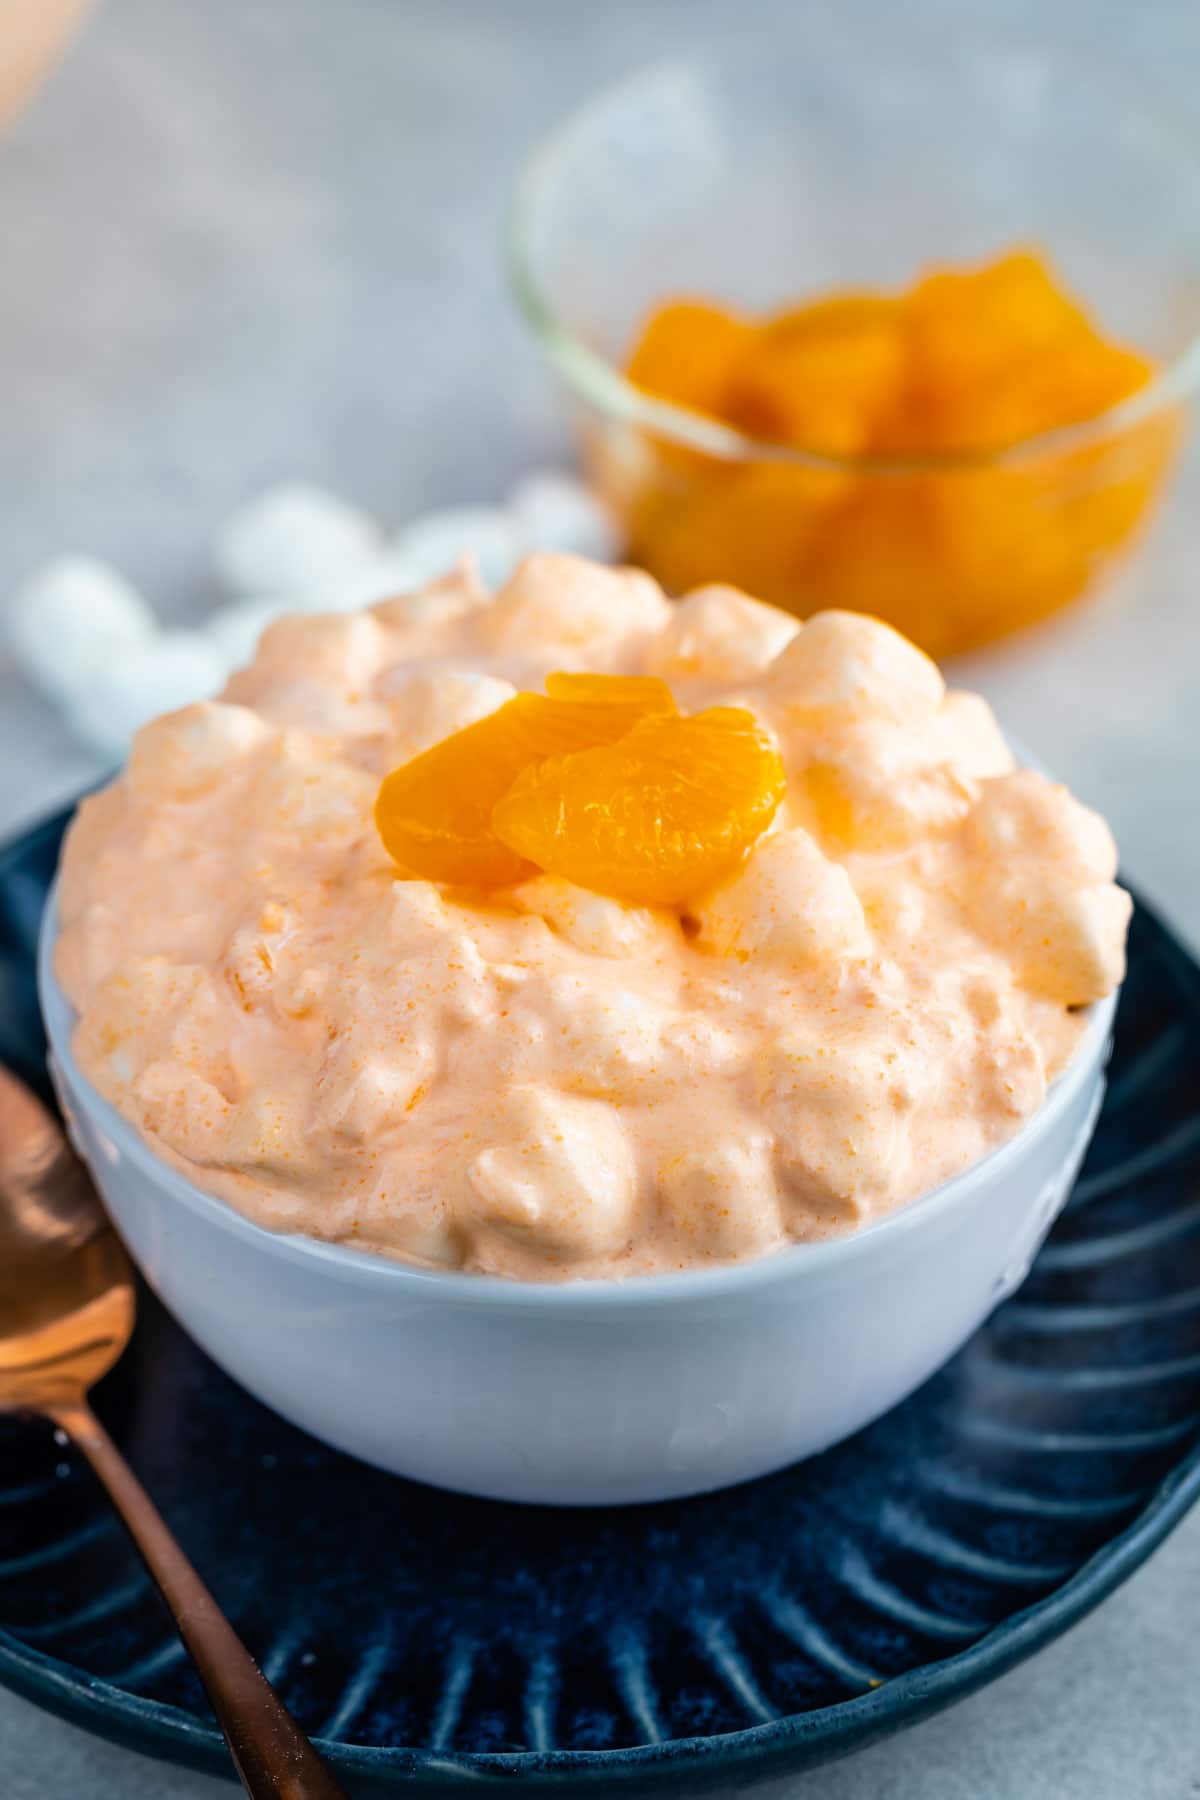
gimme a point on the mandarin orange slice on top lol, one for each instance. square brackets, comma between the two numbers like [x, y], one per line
[657, 818]
[434, 813]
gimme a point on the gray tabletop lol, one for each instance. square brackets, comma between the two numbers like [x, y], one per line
[258, 239]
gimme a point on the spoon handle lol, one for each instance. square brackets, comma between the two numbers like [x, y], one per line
[270, 1752]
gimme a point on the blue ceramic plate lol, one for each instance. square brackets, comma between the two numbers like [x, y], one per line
[430, 1641]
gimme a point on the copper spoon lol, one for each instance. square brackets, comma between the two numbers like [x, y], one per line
[66, 1313]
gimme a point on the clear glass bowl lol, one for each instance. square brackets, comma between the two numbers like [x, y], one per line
[761, 172]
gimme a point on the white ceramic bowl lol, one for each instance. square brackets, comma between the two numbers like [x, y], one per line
[590, 1392]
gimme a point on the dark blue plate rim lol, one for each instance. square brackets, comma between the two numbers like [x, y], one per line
[168, 1732]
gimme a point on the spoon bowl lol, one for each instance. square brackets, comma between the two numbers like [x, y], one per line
[67, 1309]
[67, 1299]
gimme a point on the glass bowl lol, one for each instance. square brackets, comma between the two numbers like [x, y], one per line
[774, 168]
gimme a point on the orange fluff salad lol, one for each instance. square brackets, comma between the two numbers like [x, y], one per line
[953, 457]
[570, 932]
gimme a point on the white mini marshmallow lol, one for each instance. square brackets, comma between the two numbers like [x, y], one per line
[73, 617]
[553, 511]
[142, 680]
[293, 539]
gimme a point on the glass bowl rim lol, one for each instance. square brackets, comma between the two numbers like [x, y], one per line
[600, 381]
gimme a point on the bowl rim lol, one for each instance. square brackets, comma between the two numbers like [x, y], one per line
[601, 382]
[719, 1282]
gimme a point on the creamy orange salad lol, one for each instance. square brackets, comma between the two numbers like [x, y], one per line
[539, 1078]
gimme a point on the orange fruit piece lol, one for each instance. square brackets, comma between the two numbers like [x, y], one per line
[1001, 353]
[657, 818]
[638, 694]
[687, 352]
[821, 376]
[434, 813]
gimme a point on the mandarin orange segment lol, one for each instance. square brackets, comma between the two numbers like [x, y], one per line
[1001, 354]
[751, 526]
[687, 352]
[641, 694]
[434, 813]
[656, 819]
[820, 378]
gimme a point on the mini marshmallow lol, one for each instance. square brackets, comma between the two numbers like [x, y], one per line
[719, 634]
[841, 664]
[71, 619]
[141, 680]
[435, 542]
[964, 733]
[567, 602]
[720, 1194]
[358, 1096]
[553, 511]
[293, 539]
[836, 1109]
[179, 1106]
[188, 752]
[1026, 814]
[878, 785]
[322, 803]
[593, 922]
[330, 647]
[555, 1170]
[266, 1124]
[428, 705]
[787, 900]
[1067, 942]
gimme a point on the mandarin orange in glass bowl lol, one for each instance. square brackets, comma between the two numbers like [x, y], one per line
[903, 324]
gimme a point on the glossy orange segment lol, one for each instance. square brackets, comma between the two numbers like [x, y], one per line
[657, 818]
[1001, 354]
[823, 376]
[972, 362]
[638, 693]
[434, 813]
[687, 352]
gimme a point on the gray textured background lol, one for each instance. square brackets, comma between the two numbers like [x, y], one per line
[247, 239]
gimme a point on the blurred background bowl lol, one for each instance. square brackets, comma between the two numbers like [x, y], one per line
[770, 169]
